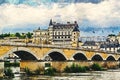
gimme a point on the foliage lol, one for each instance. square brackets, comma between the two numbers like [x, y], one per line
[50, 71]
[8, 72]
[74, 69]
[17, 34]
[8, 64]
[29, 35]
[37, 71]
[27, 71]
[111, 35]
[96, 67]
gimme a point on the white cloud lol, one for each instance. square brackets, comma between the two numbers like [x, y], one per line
[103, 14]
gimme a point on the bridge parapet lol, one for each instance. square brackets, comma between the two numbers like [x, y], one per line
[54, 46]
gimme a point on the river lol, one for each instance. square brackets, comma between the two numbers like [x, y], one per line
[94, 75]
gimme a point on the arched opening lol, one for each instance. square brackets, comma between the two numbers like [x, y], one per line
[118, 59]
[56, 56]
[79, 56]
[97, 58]
[110, 58]
[24, 55]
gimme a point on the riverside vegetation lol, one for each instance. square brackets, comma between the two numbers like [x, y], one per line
[74, 68]
[50, 71]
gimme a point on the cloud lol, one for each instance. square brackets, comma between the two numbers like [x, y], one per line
[104, 14]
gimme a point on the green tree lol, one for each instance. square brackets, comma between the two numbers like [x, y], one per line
[17, 35]
[29, 35]
[9, 72]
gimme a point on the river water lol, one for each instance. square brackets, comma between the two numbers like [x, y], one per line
[95, 75]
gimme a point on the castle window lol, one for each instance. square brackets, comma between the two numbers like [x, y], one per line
[65, 33]
[62, 33]
[62, 36]
[68, 36]
[55, 33]
[65, 36]
[68, 32]
[58, 33]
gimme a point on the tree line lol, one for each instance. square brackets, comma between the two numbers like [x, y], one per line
[17, 34]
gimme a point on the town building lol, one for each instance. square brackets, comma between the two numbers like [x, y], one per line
[58, 34]
[111, 43]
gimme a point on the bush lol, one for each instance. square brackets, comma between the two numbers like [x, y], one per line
[15, 64]
[67, 69]
[87, 68]
[50, 71]
[28, 72]
[96, 67]
[74, 69]
[8, 72]
[37, 71]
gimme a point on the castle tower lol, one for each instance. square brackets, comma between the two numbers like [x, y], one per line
[50, 31]
[75, 35]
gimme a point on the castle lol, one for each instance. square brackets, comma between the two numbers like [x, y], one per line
[58, 34]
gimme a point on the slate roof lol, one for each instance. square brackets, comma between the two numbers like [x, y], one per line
[109, 45]
[89, 43]
[76, 29]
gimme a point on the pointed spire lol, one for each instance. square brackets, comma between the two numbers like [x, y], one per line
[51, 23]
[76, 29]
[38, 28]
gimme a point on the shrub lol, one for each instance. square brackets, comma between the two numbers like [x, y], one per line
[67, 69]
[50, 71]
[28, 72]
[37, 71]
[8, 64]
[87, 68]
[74, 69]
[8, 72]
[96, 67]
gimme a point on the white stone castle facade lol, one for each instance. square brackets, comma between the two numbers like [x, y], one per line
[58, 34]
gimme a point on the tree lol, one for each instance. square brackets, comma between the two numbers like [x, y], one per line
[29, 35]
[17, 35]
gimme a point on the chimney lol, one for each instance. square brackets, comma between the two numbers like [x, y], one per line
[75, 22]
[68, 22]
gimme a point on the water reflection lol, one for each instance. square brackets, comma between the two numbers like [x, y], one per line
[98, 75]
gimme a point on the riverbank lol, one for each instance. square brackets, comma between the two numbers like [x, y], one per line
[92, 75]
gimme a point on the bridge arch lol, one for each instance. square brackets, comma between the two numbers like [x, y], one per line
[28, 54]
[118, 59]
[79, 56]
[110, 58]
[97, 57]
[56, 55]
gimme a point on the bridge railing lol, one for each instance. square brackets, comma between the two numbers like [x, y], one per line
[6, 43]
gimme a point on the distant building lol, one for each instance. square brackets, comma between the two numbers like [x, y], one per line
[112, 43]
[58, 34]
[90, 45]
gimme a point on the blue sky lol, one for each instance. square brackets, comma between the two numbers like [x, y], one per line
[100, 16]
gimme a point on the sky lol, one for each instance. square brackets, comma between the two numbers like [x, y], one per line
[95, 17]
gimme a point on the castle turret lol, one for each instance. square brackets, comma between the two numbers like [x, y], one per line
[75, 35]
[51, 23]
[50, 31]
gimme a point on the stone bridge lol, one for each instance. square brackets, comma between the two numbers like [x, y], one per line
[32, 52]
